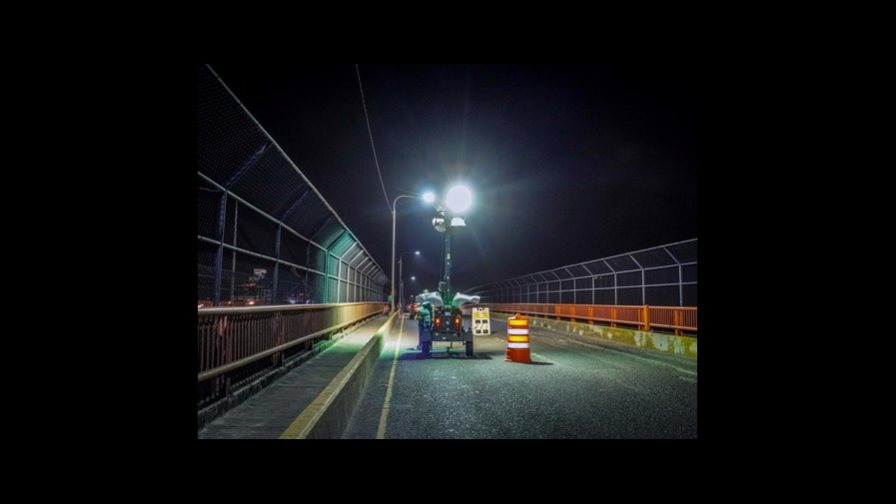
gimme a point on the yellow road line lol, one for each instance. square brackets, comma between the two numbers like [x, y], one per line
[384, 415]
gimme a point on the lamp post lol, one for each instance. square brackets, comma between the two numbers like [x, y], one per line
[401, 277]
[413, 278]
[427, 197]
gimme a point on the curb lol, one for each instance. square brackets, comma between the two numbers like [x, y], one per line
[328, 414]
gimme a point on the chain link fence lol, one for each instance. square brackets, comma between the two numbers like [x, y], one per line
[659, 276]
[265, 234]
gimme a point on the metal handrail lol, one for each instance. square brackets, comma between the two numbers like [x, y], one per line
[232, 338]
[235, 310]
[279, 348]
[679, 318]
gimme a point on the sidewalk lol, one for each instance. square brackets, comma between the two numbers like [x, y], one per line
[269, 412]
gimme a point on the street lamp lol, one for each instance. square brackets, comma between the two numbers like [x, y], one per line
[427, 197]
[413, 279]
[401, 277]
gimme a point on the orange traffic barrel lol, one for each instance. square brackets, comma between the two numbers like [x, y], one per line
[518, 339]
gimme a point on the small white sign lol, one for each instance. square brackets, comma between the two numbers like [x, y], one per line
[481, 321]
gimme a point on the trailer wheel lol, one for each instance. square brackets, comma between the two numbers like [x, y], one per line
[427, 348]
[469, 345]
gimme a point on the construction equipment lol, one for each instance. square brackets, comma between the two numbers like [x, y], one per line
[447, 321]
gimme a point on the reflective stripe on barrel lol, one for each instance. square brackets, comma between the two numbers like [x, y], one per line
[518, 339]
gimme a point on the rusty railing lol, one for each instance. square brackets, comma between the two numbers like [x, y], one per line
[678, 318]
[235, 345]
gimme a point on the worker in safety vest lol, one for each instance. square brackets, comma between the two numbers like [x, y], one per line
[424, 324]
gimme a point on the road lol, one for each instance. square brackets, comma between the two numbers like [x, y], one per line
[576, 387]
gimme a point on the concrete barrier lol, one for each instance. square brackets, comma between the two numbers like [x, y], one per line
[328, 414]
[660, 342]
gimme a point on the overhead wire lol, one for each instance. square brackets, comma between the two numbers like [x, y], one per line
[370, 133]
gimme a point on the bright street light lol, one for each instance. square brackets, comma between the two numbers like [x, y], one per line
[459, 199]
[401, 275]
[429, 197]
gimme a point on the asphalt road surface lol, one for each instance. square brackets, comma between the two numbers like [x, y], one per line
[576, 387]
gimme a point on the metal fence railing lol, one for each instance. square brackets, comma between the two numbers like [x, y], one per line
[680, 319]
[237, 345]
[265, 234]
[659, 276]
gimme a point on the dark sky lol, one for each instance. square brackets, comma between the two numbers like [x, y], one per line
[566, 162]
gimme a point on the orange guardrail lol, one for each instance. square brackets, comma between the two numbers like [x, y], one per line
[678, 318]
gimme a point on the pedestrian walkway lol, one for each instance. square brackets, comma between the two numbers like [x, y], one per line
[269, 412]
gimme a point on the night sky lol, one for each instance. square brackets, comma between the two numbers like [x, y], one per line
[566, 162]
